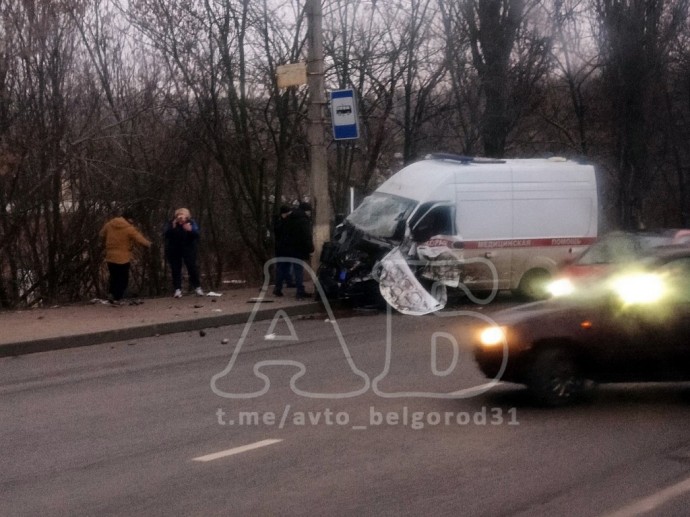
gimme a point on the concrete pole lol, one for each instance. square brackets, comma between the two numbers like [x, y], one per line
[318, 174]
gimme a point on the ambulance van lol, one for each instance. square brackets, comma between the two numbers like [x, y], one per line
[508, 224]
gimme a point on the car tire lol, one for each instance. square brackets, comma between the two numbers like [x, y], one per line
[554, 378]
[533, 284]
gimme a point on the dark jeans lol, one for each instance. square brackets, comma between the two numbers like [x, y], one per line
[283, 275]
[189, 260]
[119, 278]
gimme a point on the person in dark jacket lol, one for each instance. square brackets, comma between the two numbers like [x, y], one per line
[293, 240]
[181, 245]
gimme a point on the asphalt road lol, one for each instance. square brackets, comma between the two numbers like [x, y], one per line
[354, 420]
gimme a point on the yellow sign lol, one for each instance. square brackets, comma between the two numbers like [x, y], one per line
[294, 74]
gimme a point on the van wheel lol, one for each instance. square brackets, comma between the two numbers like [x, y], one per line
[533, 284]
[554, 378]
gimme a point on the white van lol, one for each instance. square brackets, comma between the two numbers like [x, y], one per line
[509, 223]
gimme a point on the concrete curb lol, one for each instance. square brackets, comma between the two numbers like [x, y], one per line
[145, 331]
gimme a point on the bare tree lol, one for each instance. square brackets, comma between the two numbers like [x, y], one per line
[510, 57]
[362, 46]
[635, 37]
[222, 57]
[576, 65]
[677, 130]
[38, 53]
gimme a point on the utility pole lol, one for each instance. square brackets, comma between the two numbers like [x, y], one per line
[318, 173]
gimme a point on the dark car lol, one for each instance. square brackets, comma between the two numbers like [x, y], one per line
[611, 252]
[634, 327]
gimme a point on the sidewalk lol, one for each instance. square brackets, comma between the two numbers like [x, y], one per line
[90, 323]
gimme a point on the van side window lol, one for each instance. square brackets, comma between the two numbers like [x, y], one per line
[438, 221]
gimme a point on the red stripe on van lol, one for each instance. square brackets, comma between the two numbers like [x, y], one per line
[529, 243]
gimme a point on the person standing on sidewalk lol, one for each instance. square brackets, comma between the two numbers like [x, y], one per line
[181, 246]
[293, 240]
[120, 236]
[281, 240]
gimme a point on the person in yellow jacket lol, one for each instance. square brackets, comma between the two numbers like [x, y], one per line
[120, 236]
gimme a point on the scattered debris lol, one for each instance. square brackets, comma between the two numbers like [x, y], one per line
[225, 341]
[217, 310]
[198, 306]
[202, 333]
[269, 337]
[131, 344]
[214, 295]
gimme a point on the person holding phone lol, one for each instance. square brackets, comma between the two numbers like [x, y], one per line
[181, 247]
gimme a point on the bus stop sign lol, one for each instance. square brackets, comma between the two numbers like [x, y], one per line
[344, 115]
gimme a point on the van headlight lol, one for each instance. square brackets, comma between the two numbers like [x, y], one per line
[491, 337]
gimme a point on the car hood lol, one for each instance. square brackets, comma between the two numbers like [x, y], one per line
[551, 311]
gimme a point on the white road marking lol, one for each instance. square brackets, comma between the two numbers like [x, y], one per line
[236, 450]
[647, 504]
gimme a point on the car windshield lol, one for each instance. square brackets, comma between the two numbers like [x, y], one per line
[380, 215]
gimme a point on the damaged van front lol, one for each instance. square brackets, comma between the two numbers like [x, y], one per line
[400, 218]
[367, 235]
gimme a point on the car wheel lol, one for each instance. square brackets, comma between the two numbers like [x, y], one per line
[533, 284]
[554, 379]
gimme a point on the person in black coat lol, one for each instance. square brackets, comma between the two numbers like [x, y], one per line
[181, 245]
[293, 239]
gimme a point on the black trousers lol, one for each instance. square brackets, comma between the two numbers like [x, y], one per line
[119, 278]
[189, 259]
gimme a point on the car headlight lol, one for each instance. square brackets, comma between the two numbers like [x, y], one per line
[561, 287]
[639, 288]
[491, 337]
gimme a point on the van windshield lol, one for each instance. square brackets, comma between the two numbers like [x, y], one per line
[380, 215]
